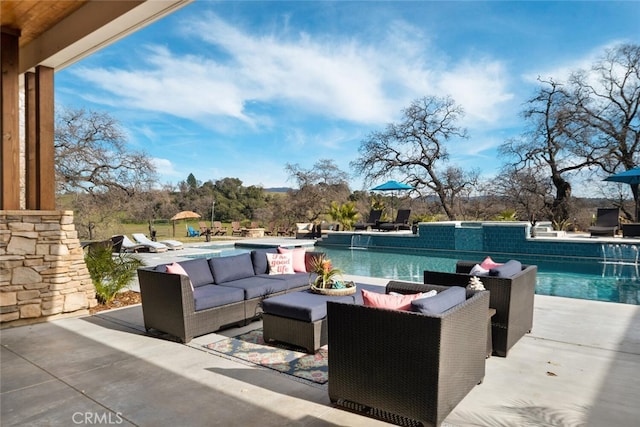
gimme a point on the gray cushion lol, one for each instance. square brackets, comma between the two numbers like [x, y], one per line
[259, 259]
[228, 268]
[209, 296]
[441, 302]
[198, 271]
[255, 287]
[508, 269]
[304, 305]
[295, 280]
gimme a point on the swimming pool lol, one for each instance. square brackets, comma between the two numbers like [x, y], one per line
[612, 282]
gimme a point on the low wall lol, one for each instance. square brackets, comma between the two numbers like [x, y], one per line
[42, 271]
[478, 239]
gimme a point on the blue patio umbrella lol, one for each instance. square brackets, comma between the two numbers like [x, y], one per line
[393, 186]
[631, 177]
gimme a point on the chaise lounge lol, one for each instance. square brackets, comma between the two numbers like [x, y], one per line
[372, 220]
[401, 222]
[607, 222]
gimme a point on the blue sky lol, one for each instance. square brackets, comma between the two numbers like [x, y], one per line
[238, 89]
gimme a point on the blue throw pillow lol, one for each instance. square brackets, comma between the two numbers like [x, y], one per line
[440, 303]
[198, 271]
[259, 260]
[508, 269]
[228, 268]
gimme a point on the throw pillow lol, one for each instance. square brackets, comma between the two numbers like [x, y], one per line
[477, 270]
[392, 302]
[508, 269]
[280, 263]
[298, 258]
[440, 303]
[488, 263]
[303, 226]
[176, 268]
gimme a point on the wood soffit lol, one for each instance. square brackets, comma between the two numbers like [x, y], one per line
[32, 18]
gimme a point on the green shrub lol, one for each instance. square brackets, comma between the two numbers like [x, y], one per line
[110, 273]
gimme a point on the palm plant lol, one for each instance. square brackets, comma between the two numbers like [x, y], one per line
[345, 214]
[110, 273]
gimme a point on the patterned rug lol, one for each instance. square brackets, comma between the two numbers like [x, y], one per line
[250, 347]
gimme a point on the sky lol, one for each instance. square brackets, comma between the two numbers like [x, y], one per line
[241, 88]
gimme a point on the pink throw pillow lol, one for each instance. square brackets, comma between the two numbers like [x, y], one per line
[488, 263]
[176, 268]
[298, 258]
[280, 263]
[392, 302]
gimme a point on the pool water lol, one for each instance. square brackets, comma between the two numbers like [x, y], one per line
[582, 280]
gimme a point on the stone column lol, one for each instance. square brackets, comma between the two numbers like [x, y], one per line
[42, 271]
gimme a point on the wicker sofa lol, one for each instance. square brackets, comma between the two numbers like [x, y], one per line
[511, 297]
[218, 292]
[405, 367]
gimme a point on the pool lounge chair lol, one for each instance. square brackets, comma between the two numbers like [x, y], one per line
[372, 220]
[153, 246]
[401, 222]
[172, 245]
[607, 222]
[128, 245]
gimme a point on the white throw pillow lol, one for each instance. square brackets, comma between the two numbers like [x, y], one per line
[280, 263]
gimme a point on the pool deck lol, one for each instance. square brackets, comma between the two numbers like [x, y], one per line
[579, 366]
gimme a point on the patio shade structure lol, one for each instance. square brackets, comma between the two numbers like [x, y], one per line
[182, 215]
[393, 186]
[631, 177]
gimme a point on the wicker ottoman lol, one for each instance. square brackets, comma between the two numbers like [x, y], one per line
[300, 318]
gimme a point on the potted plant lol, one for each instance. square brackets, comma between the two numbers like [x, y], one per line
[329, 280]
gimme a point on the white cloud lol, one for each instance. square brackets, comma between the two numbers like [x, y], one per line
[165, 167]
[336, 77]
[480, 88]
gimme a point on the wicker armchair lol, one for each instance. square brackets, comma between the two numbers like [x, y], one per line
[405, 367]
[511, 297]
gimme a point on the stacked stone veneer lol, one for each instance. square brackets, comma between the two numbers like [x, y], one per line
[42, 270]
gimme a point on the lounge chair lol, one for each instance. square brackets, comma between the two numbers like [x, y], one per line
[153, 246]
[218, 229]
[172, 245]
[372, 220]
[203, 228]
[607, 222]
[129, 246]
[401, 222]
[236, 230]
[403, 367]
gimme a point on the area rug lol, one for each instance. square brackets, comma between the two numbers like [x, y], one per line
[250, 347]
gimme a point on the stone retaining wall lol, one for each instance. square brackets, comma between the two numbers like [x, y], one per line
[42, 271]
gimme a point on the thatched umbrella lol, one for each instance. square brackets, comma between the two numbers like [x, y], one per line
[182, 215]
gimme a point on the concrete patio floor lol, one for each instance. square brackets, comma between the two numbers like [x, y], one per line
[579, 366]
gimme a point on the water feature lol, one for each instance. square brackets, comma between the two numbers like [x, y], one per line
[359, 241]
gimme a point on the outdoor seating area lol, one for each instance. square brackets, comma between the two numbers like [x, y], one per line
[201, 295]
[594, 337]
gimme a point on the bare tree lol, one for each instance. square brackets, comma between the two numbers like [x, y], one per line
[416, 148]
[92, 155]
[94, 164]
[608, 100]
[552, 144]
[318, 187]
